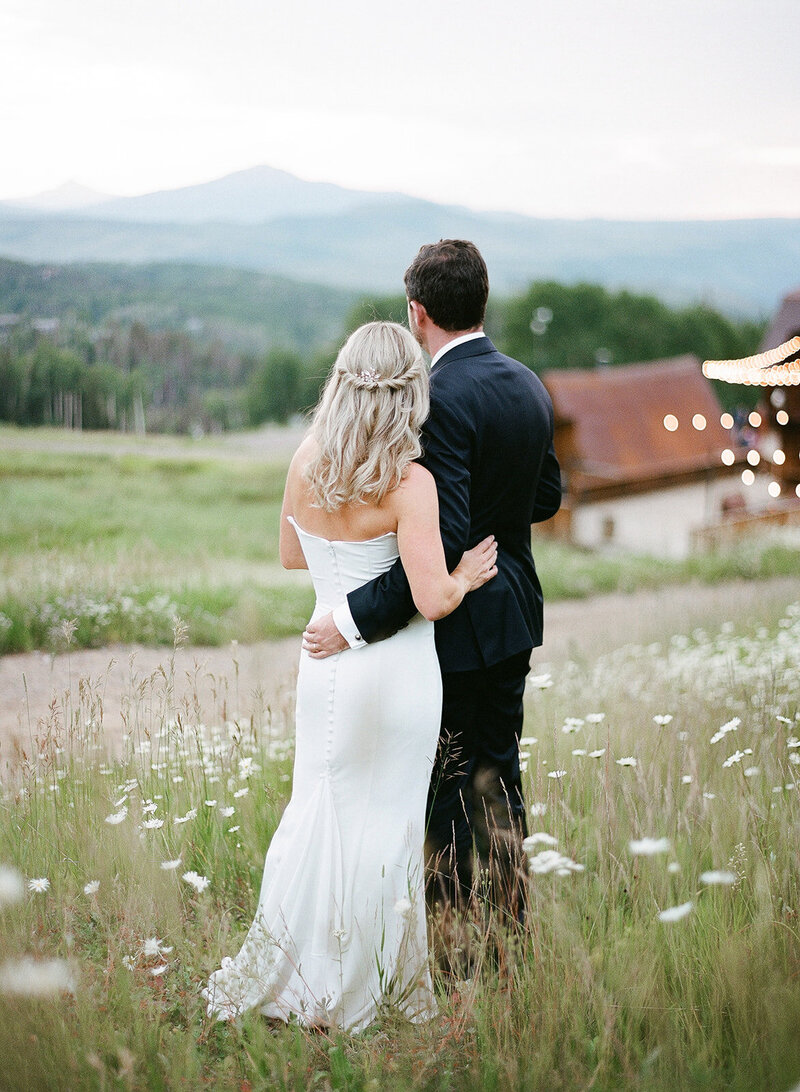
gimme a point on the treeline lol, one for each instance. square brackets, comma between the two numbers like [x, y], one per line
[128, 376]
[553, 325]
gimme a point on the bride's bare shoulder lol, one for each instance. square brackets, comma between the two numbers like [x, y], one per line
[303, 455]
[417, 486]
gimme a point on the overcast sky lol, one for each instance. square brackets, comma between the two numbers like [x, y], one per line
[628, 108]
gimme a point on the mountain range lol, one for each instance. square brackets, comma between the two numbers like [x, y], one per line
[272, 222]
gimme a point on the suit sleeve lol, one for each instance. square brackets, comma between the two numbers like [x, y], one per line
[548, 492]
[385, 604]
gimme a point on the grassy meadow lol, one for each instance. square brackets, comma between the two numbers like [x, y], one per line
[120, 535]
[662, 940]
[662, 945]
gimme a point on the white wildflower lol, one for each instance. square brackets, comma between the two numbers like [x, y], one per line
[12, 886]
[537, 810]
[540, 838]
[571, 724]
[540, 682]
[128, 961]
[226, 813]
[40, 885]
[152, 824]
[792, 741]
[794, 758]
[28, 977]
[648, 847]
[550, 860]
[156, 971]
[598, 753]
[199, 883]
[709, 796]
[675, 913]
[403, 908]
[579, 752]
[241, 792]
[595, 718]
[729, 726]
[673, 867]
[169, 866]
[662, 719]
[629, 760]
[724, 878]
[92, 887]
[117, 817]
[752, 771]
[153, 948]
[149, 807]
[190, 814]
[686, 779]
[211, 803]
[731, 760]
[557, 774]
[232, 830]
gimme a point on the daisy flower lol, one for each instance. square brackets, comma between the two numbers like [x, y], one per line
[675, 913]
[648, 847]
[723, 878]
[199, 883]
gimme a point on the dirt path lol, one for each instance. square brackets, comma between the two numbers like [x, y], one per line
[131, 682]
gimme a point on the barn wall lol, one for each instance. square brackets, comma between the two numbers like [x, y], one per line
[659, 523]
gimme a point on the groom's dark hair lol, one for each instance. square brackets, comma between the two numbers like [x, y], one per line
[450, 280]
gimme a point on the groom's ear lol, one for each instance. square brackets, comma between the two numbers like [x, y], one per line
[416, 309]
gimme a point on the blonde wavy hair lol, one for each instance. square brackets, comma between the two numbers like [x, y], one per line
[368, 420]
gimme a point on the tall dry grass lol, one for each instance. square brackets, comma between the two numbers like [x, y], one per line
[661, 948]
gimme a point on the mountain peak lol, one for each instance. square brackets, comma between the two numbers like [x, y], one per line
[69, 195]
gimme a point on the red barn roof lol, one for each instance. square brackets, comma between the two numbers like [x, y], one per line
[611, 433]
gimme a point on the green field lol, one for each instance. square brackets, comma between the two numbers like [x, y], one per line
[665, 956]
[120, 535]
[668, 964]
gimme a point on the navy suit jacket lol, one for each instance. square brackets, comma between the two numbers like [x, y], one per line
[489, 444]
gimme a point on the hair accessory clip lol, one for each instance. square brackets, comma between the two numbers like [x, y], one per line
[368, 379]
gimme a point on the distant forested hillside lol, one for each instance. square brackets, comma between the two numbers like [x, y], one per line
[185, 348]
[243, 309]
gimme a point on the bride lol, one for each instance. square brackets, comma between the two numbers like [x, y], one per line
[339, 931]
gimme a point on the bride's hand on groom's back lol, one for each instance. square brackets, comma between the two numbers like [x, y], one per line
[479, 565]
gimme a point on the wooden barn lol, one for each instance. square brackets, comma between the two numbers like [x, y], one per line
[647, 463]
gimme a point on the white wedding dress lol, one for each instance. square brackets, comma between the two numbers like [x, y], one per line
[339, 931]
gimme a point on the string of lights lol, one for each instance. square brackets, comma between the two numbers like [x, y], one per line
[778, 367]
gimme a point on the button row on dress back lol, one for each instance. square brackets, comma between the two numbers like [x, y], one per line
[332, 662]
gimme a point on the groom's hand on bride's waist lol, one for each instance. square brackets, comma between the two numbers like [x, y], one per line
[321, 638]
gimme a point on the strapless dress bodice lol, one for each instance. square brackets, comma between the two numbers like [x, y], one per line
[337, 567]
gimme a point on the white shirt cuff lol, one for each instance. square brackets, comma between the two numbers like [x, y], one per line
[343, 621]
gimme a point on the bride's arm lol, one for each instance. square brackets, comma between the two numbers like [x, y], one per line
[291, 553]
[436, 592]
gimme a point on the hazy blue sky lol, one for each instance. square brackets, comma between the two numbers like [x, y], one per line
[680, 108]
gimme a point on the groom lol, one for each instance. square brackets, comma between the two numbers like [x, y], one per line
[489, 444]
